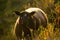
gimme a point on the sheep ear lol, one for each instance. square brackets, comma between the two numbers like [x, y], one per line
[18, 13]
[32, 13]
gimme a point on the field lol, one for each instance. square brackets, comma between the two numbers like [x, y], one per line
[8, 18]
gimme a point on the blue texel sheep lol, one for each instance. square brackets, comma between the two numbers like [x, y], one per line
[31, 18]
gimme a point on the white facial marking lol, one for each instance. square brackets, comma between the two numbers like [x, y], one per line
[25, 15]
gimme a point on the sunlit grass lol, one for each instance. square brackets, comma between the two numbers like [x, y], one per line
[41, 34]
[45, 33]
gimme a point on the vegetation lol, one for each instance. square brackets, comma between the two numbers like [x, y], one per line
[8, 17]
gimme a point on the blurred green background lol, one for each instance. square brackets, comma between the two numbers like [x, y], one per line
[8, 17]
